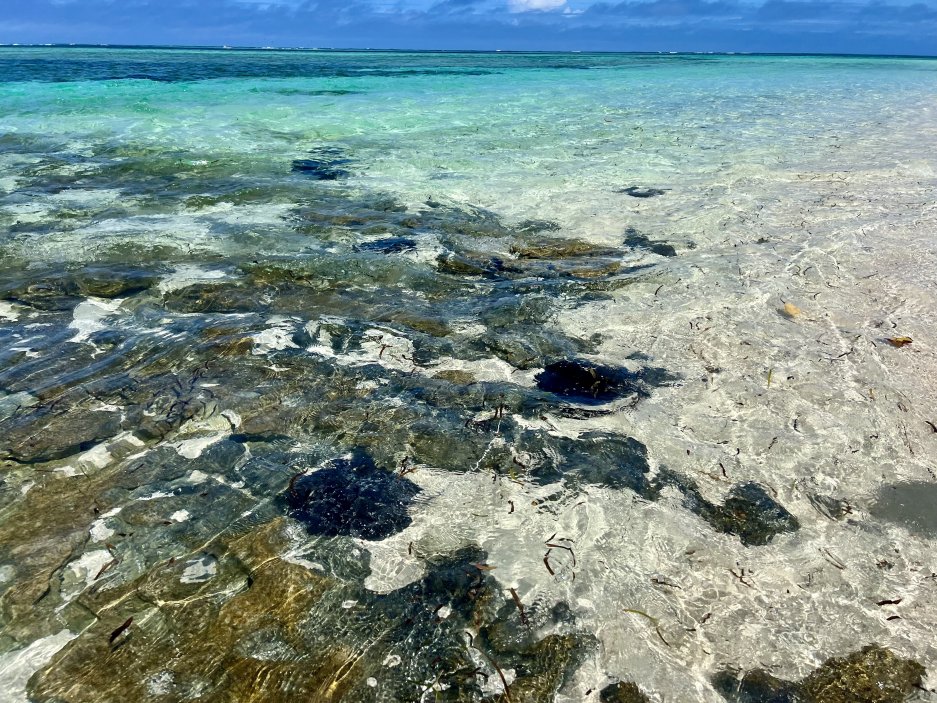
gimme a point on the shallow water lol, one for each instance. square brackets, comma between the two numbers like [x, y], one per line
[387, 376]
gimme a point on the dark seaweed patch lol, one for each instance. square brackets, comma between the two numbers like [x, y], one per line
[351, 497]
[324, 164]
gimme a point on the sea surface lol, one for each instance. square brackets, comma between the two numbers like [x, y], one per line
[387, 376]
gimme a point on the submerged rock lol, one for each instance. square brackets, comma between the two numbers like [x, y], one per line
[320, 170]
[351, 497]
[755, 686]
[623, 692]
[533, 226]
[45, 435]
[589, 383]
[636, 240]
[830, 507]
[871, 675]
[748, 512]
[462, 378]
[752, 514]
[552, 248]
[601, 459]
[639, 192]
[389, 245]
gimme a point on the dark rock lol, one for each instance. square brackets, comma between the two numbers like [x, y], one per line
[462, 378]
[748, 512]
[390, 245]
[226, 297]
[50, 296]
[639, 192]
[872, 675]
[752, 514]
[576, 413]
[470, 265]
[59, 290]
[589, 383]
[324, 166]
[462, 266]
[45, 435]
[622, 692]
[351, 497]
[113, 281]
[319, 170]
[602, 459]
[755, 686]
[545, 667]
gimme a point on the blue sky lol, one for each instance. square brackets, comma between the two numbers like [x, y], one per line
[850, 26]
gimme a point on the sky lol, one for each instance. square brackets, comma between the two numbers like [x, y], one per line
[822, 26]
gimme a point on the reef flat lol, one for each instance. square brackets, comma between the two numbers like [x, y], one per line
[335, 377]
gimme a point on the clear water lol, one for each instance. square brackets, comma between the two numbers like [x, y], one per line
[457, 293]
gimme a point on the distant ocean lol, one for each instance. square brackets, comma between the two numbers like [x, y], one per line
[389, 376]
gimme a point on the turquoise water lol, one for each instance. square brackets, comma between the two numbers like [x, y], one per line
[304, 356]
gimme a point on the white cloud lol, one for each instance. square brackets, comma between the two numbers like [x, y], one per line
[530, 5]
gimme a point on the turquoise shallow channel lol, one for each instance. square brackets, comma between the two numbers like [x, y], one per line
[387, 376]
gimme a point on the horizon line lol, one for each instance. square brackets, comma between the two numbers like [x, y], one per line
[663, 52]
